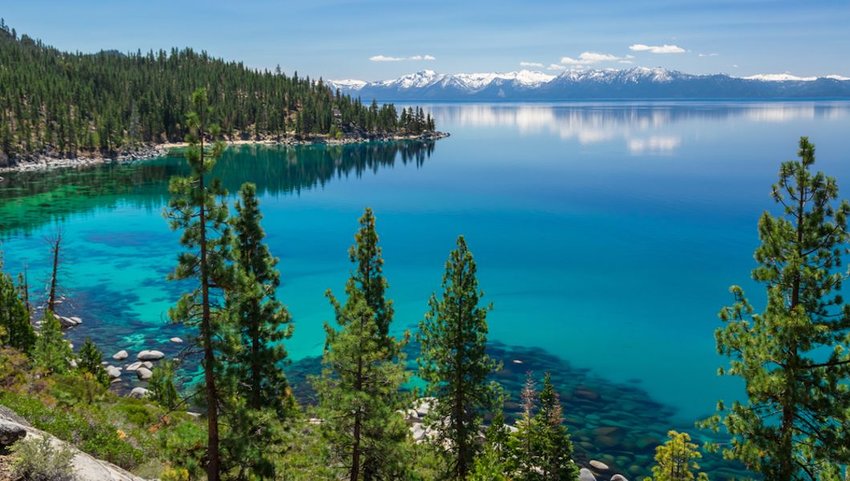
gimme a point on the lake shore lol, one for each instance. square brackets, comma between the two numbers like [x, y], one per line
[42, 162]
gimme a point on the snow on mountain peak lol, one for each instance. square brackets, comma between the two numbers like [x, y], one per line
[779, 77]
[635, 81]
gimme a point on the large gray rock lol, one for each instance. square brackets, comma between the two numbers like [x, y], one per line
[113, 372]
[86, 468]
[68, 321]
[585, 474]
[150, 356]
[132, 367]
[120, 355]
[139, 392]
[144, 373]
[423, 406]
[10, 433]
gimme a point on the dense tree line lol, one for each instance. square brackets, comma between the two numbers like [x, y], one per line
[69, 104]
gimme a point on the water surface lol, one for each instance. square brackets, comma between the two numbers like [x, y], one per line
[606, 235]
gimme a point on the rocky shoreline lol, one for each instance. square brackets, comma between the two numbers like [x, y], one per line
[43, 162]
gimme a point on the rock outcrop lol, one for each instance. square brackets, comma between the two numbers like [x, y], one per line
[87, 468]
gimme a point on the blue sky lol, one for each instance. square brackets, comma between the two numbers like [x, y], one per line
[377, 39]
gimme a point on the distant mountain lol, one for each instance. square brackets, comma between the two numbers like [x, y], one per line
[633, 83]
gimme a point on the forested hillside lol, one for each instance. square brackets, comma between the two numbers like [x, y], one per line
[60, 104]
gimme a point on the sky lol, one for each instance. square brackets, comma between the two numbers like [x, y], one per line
[381, 39]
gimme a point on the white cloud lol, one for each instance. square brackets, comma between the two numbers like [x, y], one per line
[709, 54]
[385, 58]
[555, 66]
[627, 62]
[639, 47]
[588, 58]
[531, 64]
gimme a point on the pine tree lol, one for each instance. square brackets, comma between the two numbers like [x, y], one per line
[358, 390]
[15, 327]
[368, 274]
[263, 322]
[52, 353]
[676, 460]
[525, 440]
[794, 356]
[90, 359]
[554, 449]
[258, 398]
[197, 208]
[161, 388]
[454, 363]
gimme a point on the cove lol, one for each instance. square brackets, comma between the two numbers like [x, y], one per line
[606, 235]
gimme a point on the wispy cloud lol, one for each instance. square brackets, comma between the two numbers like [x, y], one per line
[556, 67]
[385, 58]
[589, 58]
[531, 64]
[639, 47]
[709, 54]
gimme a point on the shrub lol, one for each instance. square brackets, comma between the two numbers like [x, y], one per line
[38, 460]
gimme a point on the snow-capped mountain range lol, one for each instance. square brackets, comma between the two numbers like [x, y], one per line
[633, 83]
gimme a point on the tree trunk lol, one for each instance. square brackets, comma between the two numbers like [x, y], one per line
[51, 298]
[214, 461]
[355, 452]
[461, 468]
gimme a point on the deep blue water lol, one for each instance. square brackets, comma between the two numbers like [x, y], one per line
[605, 234]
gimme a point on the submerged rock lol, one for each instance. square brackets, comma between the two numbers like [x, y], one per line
[598, 465]
[150, 355]
[585, 474]
[176, 340]
[618, 477]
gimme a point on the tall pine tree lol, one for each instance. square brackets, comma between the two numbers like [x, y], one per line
[454, 363]
[359, 399]
[554, 449]
[369, 276]
[197, 207]
[794, 356]
[258, 397]
[263, 322]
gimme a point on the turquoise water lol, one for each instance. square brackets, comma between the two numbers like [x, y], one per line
[606, 235]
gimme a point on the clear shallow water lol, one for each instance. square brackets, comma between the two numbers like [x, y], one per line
[606, 234]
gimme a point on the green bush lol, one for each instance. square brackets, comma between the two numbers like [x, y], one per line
[38, 460]
[184, 446]
[90, 433]
[137, 413]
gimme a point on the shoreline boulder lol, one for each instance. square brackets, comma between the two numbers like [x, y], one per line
[150, 355]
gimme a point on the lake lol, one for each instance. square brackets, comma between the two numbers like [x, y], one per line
[606, 235]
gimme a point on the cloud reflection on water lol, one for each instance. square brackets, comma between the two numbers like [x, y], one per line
[644, 128]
